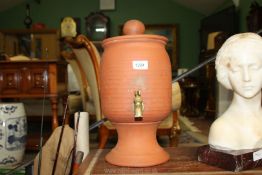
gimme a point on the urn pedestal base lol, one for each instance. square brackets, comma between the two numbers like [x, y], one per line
[137, 146]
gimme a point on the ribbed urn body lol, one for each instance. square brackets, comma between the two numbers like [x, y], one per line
[132, 63]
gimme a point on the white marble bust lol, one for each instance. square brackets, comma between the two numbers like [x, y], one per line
[239, 68]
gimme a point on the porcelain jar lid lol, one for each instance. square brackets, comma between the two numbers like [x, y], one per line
[133, 30]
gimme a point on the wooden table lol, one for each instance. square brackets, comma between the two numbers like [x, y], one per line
[183, 161]
[34, 79]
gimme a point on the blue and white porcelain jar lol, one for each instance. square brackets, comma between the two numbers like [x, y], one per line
[13, 131]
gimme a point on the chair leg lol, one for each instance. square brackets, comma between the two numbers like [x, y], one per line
[173, 138]
[176, 125]
[103, 136]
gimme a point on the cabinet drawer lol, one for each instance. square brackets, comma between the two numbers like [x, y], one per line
[10, 81]
[37, 80]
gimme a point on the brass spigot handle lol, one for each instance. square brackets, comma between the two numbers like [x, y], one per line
[138, 106]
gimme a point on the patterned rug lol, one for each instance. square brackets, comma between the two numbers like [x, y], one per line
[192, 134]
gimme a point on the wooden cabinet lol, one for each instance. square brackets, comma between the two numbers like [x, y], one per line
[17, 80]
[40, 43]
[34, 79]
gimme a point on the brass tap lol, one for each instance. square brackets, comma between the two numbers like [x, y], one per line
[138, 106]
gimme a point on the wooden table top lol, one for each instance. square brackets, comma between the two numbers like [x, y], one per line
[183, 161]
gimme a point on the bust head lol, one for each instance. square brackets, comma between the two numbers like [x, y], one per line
[239, 64]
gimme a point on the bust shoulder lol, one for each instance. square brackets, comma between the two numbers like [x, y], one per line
[222, 132]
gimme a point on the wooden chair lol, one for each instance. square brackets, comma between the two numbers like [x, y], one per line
[89, 61]
[84, 96]
[85, 61]
[170, 126]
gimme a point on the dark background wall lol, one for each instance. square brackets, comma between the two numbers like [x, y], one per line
[50, 12]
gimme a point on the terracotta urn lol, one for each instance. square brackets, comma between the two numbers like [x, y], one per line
[136, 93]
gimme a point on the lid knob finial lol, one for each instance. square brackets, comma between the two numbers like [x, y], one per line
[133, 27]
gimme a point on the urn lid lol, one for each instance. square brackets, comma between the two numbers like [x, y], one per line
[133, 30]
